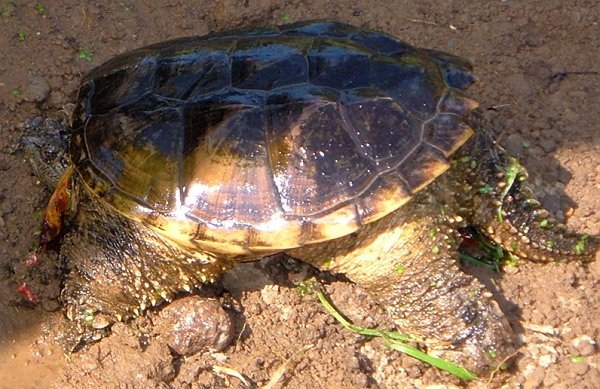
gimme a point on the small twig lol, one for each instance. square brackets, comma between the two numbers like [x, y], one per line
[239, 338]
[230, 372]
[546, 330]
[282, 369]
[413, 20]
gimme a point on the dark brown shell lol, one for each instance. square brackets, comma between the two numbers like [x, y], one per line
[263, 140]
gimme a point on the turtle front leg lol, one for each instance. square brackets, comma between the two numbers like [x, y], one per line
[409, 264]
[118, 267]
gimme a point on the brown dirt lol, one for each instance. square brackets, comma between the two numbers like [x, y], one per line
[538, 64]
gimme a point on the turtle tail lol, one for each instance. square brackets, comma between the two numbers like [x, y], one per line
[509, 214]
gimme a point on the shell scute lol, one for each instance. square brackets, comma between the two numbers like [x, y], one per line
[338, 66]
[125, 86]
[268, 66]
[312, 150]
[370, 115]
[191, 75]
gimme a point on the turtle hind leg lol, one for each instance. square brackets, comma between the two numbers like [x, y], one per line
[408, 262]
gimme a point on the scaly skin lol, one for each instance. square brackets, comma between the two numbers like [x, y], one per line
[120, 267]
[409, 263]
[407, 260]
[507, 213]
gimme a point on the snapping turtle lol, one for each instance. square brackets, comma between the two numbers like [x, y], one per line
[345, 148]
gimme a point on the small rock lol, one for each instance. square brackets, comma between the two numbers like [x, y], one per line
[580, 368]
[583, 345]
[515, 145]
[194, 324]
[550, 380]
[547, 360]
[37, 89]
[534, 380]
[548, 144]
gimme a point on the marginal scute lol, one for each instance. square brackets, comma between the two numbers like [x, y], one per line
[386, 194]
[380, 43]
[178, 228]
[423, 166]
[446, 133]
[277, 232]
[456, 70]
[455, 103]
[228, 240]
[338, 222]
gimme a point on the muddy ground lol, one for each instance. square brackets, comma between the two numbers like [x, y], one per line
[538, 61]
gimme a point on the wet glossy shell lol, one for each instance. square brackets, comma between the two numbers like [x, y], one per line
[262, 140]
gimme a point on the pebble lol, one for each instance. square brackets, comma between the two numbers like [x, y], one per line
[37, 89]
[535, 379]
[194, 324]
[548, 144]
[584, 346]
[547, 360]
[580, 368]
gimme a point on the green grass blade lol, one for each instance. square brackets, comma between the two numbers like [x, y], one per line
[396, 341]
